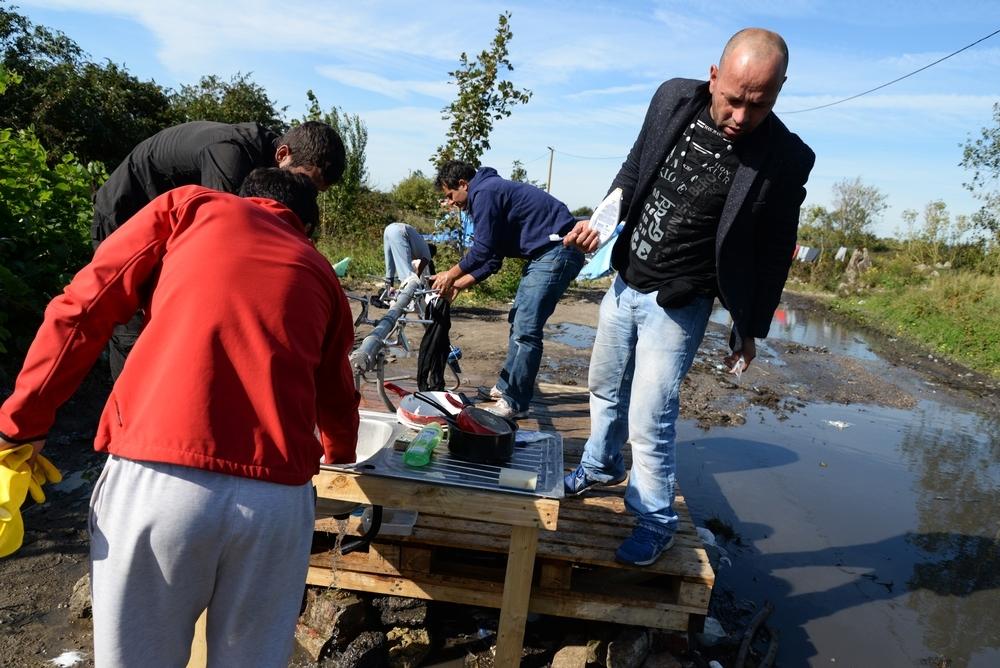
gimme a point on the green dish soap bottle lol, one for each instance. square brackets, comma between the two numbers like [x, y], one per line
[418, 452]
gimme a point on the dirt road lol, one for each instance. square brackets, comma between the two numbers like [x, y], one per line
[36, 623]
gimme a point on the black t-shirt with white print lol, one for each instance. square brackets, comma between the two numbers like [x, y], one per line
[672, 248]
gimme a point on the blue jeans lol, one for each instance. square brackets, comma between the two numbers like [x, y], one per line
[401, 244]
[543, 282]
[640, 345]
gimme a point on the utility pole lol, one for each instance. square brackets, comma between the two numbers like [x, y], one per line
[548, 184]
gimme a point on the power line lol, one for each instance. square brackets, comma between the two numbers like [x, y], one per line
[528, 162]
[854, 97]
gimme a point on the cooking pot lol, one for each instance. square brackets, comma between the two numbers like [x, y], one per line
[477, 435]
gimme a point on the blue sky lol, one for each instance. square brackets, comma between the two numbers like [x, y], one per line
[592, 67]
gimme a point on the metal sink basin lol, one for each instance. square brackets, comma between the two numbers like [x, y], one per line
[537, 452]
[376, 433]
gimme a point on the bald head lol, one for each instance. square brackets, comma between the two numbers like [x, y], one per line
[756, 44]
[745, 84]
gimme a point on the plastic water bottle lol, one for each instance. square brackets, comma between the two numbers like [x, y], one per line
[418, 452]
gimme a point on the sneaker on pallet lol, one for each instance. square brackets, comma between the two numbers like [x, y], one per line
[644, 546]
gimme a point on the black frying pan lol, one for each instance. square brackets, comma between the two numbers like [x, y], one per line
[477, 435]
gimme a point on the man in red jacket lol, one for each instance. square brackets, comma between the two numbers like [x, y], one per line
[206, 499]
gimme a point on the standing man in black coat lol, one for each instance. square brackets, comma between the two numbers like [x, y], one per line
[214, 155]
[711, 196]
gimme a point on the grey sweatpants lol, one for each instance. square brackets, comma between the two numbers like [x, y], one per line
[169, 541]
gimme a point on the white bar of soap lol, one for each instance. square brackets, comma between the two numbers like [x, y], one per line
[517, 479]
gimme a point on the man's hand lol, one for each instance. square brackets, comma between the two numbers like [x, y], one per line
[742, 356]
[582, 237]
[444, 282]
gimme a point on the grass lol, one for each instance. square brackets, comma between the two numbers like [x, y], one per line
[957, 315]
[367, 260]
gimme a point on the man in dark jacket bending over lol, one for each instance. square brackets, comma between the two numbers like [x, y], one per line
[214, 155]
[512, 219]
[711, 196]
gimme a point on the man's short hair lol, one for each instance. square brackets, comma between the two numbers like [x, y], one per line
[315, 144]
[294, 190]
[452, 172]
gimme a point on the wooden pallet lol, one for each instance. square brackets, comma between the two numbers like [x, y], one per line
[575, 575]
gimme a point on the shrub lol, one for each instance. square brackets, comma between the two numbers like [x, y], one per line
[416, 193]
[45, 217]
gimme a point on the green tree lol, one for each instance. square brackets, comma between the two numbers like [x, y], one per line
[582, 212]
[982, 156]
[416, 193]
[856, 208]
[100, 112]
[483, 97]
[94, 111]
[7, 79]
[520, 174]
[339, 204]
[938, 237]
[239, 100]
[817, 227]
[44, 231]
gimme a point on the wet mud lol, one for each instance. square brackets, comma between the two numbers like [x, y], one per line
[851, 479]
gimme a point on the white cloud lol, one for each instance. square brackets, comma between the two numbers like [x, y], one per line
[646, 88]
[401, 139]
[190, 33]
[893, 114]
[395, 88]
[684, 24]
[978, 57]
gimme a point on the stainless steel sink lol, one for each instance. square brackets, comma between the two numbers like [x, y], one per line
[535, 452]
[376, 433]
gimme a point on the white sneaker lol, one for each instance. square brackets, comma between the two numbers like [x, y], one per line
[492, 394]
[503, 408]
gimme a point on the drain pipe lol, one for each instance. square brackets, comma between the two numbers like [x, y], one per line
[363, 359]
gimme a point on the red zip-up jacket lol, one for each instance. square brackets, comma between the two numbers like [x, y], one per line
[243, 356]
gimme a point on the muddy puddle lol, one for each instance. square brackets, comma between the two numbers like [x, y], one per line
[789, 324]
[874, 530]
[808, 329]
[571, 334]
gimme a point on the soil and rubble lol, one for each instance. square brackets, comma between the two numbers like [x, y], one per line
[44, 607]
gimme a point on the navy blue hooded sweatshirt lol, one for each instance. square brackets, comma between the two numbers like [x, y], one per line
[511, 219]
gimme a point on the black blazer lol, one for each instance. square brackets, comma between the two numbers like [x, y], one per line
[759, 223]
[215, 155]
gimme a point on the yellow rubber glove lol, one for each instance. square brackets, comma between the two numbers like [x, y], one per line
[42, 473]
[15, 478]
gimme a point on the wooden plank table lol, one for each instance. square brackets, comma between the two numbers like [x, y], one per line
[526, 515]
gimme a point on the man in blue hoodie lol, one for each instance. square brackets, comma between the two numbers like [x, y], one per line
[512, 219]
